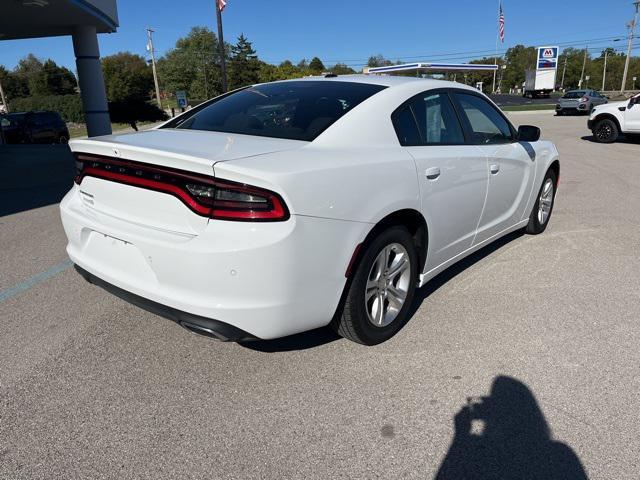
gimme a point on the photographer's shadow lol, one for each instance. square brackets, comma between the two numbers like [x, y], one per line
[505, 436]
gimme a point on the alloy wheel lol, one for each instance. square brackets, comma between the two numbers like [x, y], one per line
[604, 132]
[545, 202]
[387, 285]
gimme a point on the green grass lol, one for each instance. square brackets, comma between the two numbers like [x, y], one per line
[526, 108]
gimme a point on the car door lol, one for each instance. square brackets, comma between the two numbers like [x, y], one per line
[510, 164]
[632, 115]
[451, 172]
[36, 128]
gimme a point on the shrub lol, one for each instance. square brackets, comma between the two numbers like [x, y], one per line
[135, 111]
[68, 106]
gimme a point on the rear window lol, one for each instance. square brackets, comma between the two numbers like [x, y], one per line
[575, 94]
[297, 110]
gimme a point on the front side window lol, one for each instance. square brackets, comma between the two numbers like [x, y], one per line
[296, 110]
[488, 126]
[428, 119]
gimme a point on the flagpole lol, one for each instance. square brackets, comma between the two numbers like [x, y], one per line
[495, 58]
[221, 49]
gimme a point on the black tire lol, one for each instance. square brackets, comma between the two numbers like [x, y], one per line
[535, 226]
[352, 320]
[606, 131]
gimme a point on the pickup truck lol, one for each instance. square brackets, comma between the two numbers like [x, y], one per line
[609, 121]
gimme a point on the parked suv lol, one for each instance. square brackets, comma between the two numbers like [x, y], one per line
[607, 122]
[34, 127]
[579, 101]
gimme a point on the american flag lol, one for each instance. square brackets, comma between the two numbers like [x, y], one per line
[221, 4]
[501, 24]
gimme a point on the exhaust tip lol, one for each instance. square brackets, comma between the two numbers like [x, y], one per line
[200, 330]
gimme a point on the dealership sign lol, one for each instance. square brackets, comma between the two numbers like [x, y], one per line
[548, 58]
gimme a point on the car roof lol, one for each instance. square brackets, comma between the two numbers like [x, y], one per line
[384, 80]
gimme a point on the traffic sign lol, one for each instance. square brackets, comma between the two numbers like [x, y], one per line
[181, 98]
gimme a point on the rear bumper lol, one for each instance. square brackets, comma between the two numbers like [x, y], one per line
[574, 107]
[267, 280]
[196, 323]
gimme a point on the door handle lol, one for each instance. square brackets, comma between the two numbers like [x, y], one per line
[494, 168]
[433, 173]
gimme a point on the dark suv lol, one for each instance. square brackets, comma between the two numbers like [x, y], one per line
[33, 127]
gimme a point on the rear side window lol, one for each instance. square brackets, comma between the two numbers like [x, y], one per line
[296, 110]
[574, 94]
[488, 126]
[407, 127]
[433, 119]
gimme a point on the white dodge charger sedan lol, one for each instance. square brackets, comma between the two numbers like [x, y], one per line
[292, 205]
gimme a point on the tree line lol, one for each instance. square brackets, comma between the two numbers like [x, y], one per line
[520, 58]
[193, 65]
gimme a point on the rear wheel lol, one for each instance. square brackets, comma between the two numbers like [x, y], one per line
[543, 208]
[381, 290]
[606, 131]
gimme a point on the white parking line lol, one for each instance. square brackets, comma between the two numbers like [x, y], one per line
[10, 292]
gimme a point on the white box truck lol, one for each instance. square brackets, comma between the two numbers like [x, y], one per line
[539, 83]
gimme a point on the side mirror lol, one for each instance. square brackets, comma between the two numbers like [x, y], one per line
[633, 101]
[528, 133]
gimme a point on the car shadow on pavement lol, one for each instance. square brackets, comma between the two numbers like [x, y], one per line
[506, 436]
[623, 139]
[33, 176]
[299, 341]
[439, 280]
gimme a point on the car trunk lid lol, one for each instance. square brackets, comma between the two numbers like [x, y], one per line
[136, 177]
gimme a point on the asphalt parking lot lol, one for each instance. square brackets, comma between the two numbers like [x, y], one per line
[548, 327]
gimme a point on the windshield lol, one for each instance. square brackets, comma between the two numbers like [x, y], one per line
[575, 94]
[296, 110]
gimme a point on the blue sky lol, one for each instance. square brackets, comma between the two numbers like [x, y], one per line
[352, 30]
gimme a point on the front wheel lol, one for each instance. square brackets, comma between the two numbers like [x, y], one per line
[381, 290]
[606, 131]
[543, 208]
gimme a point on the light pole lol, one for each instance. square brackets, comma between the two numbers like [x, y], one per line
[604, 70]
[632, 31]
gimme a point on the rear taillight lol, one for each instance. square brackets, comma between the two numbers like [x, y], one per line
[584, 99]
[206, 196]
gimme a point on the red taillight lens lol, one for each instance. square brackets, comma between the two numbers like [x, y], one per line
[206, 196]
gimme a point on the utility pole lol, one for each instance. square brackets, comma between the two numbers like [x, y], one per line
[632, 32]
[4, 100]
[584, 65]
[604, 71]
[153, 64]
[220, 4]
[564, 70]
